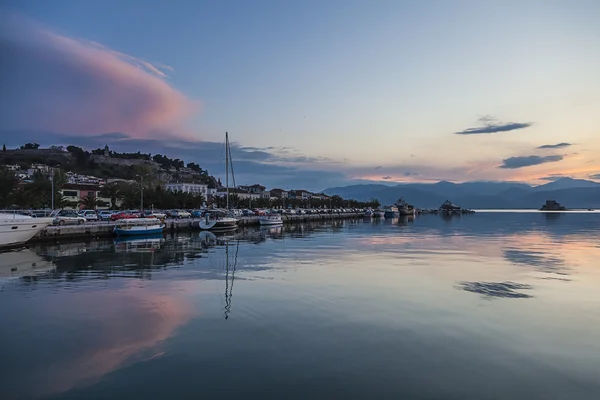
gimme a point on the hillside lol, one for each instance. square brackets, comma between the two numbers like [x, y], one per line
[104, 163]
[573, 193]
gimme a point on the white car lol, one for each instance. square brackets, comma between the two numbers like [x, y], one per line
[89, 215]
[64, 217]
[105, 215]
[181, 214]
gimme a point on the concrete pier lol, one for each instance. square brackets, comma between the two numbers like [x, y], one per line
[94, 230]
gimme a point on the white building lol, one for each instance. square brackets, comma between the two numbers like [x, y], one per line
[193, 188]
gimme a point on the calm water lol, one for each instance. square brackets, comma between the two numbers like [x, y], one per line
[485, 306]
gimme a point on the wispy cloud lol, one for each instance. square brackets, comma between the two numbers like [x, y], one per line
[553, 177]
[84, 88]
[595, 176]
[528, 161]
[491, 125]
[411, 173]
[555, 146]
[386, 177]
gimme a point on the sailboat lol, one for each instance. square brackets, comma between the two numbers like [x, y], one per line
[215, 220]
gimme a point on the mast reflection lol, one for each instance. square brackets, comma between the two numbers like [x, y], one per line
[228, 287]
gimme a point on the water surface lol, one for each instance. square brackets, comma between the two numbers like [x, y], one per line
[483, 306]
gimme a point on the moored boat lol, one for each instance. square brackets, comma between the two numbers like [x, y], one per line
[16, 229]
[390, 212]
[378, 214]
[404, 208]
[271, 219]
[217, 221]
[141, 226]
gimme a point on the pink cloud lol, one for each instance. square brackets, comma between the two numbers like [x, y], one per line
[56, 83]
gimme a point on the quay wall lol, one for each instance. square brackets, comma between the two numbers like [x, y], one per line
[101, 229]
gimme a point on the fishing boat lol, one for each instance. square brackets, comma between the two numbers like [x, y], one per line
[368, 213]
[16, 229]
[214, 221]
[404, 208]
[141, 226]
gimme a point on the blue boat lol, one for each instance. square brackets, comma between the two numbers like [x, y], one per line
[139, 227]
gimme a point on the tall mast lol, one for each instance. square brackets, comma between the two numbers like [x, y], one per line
[227, 166]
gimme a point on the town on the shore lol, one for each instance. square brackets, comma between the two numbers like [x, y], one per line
[70, 177]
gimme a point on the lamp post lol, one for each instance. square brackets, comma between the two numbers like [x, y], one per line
[52, 183]
[141, 193]
[52, 180]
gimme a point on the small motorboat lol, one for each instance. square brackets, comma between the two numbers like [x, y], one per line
[216, 221]
[270, 219]
[141, 226]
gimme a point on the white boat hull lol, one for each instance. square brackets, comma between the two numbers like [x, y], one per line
[218, 224]
[16, 230]
[270, 220]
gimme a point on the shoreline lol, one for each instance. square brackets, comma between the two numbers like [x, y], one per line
[102, 229]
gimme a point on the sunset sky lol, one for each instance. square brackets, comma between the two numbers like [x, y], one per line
[313, 93]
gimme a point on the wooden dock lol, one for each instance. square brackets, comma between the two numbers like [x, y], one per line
[94, 230]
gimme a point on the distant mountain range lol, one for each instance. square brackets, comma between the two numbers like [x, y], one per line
[572, 193]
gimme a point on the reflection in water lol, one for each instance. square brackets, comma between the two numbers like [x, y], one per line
[537, 259]
[496, 289]
[228, 287]
[325, 309]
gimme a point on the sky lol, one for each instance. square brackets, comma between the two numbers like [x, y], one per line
[313, 94]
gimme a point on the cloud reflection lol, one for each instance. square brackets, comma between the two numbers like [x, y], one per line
[506, 290]
[127, 326]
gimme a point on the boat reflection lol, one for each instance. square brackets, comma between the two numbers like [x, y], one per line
[139, 244]
[24, 263]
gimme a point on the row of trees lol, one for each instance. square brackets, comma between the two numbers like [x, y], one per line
[36, 195]
[335, 202]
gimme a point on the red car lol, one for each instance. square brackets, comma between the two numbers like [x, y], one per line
[122, 215]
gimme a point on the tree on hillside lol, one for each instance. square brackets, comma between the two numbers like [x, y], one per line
[4, 148]
[30, 146]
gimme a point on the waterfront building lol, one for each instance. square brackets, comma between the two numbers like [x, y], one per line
[196, 189]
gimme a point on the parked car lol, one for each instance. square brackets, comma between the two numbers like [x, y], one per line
[65, 217]
[122, 215]
[155, 214]
[197, 213]
[180, 214]
[89, 215]
[105, 215]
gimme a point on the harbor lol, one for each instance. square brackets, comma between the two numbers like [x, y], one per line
[95, 230]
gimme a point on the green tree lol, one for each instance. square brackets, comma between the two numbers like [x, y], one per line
[337, 201]
[112, 191]
[89, 202]
[8, 183]
[30, 146]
